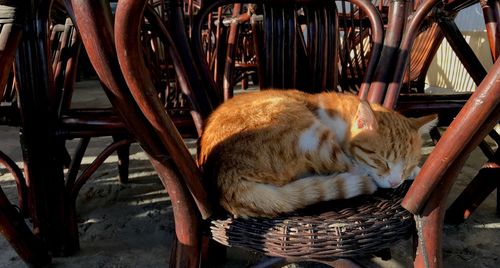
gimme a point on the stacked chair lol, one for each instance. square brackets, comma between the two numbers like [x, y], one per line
[12, 226]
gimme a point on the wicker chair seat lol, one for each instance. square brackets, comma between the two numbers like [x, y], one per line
[359, 226]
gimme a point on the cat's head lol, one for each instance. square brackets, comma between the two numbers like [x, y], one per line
[387, 145]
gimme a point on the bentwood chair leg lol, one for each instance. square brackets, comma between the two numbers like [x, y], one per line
[123, 153]
[29, 247]
[186, 248]
[429, 228]
[212, 252]
[430, 222]
[182, 255]
[431, 219]
[483, 184]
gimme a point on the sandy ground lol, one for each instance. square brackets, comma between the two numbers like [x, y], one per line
[131, 225]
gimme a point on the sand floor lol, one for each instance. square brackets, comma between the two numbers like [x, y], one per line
[131, 225]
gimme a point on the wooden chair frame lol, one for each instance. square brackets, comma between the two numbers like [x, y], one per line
[376, 93]
[131, 93]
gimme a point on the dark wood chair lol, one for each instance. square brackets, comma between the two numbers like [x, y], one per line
[412, 100]
[301, 231]
[135, 99]
[384, 87]
[284, 54]
[87, 123]
[483, 183]
[63, 46]
[228, 42]
[466, 131]
[12, 226]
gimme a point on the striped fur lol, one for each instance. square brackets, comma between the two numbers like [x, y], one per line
[272, 152]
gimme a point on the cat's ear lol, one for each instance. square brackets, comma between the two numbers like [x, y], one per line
[425, 123]
[365, 118]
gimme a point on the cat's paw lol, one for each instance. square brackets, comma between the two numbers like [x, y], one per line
[357, 185]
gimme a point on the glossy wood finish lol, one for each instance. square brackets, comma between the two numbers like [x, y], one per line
[285, 59]
[432, 214]
[398, 12]
[65, 43]
[491, 12]
[482, 185]
[481, 104]
[99, 41]
[142, 89]
[422, 53]
[427, 196]
[230, 54]
[185, 73]
[403, 53]
[377, 36]
[60, 123]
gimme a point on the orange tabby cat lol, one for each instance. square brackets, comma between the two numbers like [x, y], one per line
[273, 151]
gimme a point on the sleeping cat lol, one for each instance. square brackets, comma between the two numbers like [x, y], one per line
[273, 152]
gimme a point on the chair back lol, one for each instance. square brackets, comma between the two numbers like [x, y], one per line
[296, 46]
[305, 45]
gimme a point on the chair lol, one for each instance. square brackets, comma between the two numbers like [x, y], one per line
[46, 121]
[413, 101]
[86, 123]
[229, 47]
[449, 105]
[292, 237]
[144, 116]
[12, 226]
[482, 184]
[284, 54]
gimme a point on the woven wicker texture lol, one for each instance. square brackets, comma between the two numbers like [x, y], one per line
[343, 228]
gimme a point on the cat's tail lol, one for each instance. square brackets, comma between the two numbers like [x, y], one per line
[260, 199]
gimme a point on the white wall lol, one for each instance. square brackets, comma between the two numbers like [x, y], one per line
[446, 71]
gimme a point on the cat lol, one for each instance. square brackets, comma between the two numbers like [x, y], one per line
[272, 152]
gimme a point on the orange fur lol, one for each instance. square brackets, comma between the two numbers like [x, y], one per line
[272, 152]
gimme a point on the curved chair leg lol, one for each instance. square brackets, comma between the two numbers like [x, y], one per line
[212, 253]
[430, 221]
[22, 189]
[123, 153]
[483, 184]
[29, 247]
[186, 249]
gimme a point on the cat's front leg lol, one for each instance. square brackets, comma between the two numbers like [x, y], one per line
[354, 184]
[363, 174]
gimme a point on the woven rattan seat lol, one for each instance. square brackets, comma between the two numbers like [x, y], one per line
[343, 228]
